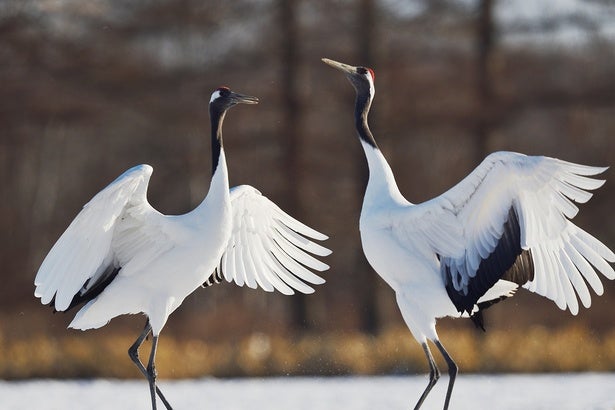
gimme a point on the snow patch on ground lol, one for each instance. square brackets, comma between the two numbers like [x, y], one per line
[553, 391]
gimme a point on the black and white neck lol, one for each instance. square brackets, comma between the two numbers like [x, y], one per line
[217, 111]
[363, 82]
[381, 186]
[221, 100]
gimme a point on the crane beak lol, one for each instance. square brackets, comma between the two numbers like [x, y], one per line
[348, 69]
[243, 99]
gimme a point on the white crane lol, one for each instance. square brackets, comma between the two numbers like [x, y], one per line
[505, 225]
[121, 256]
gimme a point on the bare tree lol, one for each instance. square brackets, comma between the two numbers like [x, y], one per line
[367, 279]
[484, 48]
[291, 131]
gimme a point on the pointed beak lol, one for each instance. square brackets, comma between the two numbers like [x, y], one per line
[348, 69]
[243, 99]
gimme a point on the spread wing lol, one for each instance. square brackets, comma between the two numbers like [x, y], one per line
[268, 248]
[515, 212]
[115, 227]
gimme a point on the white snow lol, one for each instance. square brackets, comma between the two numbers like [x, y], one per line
[549, 391]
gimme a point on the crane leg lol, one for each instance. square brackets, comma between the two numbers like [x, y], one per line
[434, 375]
[452, 372]
[133, 352]
[151, 371]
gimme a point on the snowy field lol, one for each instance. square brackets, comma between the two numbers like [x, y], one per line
[572, 391]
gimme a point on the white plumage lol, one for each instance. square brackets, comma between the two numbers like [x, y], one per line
[505, 225]
[122, 256]
[268, 248]
[119, 228]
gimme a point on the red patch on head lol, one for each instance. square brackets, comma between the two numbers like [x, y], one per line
[372, 73]
[224, 87]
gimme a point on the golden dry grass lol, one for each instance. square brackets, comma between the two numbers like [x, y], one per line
[537, 349]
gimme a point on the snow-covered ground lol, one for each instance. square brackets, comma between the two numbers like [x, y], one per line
[569, 391]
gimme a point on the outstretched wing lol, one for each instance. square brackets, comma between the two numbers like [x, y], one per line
[268, 248]
[111, 229]
[515, 212]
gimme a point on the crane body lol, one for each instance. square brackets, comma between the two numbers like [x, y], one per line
[121, 256]
[506, 225]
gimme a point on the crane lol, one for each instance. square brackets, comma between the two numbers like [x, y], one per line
[507, 224]
[121, 256]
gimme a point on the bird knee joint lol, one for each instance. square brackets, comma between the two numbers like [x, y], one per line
[134, 353]
[151, 370]
[434, 374]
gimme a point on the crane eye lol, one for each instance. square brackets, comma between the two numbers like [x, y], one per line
[365, 70]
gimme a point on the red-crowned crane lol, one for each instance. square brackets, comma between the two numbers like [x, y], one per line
[505, 225]
[121, 256]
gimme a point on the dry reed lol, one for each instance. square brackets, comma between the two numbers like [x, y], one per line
[537, 349]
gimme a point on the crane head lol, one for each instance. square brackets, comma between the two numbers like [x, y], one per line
[223, 99]
[362, 78]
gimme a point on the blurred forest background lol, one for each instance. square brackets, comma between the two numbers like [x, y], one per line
[89, 89]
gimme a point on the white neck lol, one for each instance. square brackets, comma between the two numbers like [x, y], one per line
[381, 189]
[218, 193]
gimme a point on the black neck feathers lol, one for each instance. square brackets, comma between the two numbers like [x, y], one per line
[362, 106]
[217, 118]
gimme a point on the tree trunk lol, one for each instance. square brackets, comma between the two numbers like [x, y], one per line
[367, 280]
[484, 48]
[291, 133]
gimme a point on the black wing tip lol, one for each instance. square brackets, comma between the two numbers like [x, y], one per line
[213, 279]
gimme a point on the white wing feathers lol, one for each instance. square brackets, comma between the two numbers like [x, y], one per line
[85, 251]
[541, 191]
[268, 248]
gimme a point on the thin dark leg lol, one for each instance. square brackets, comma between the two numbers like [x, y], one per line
[434, 375]
[452, 372]
[151, 371]
[133, 352]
